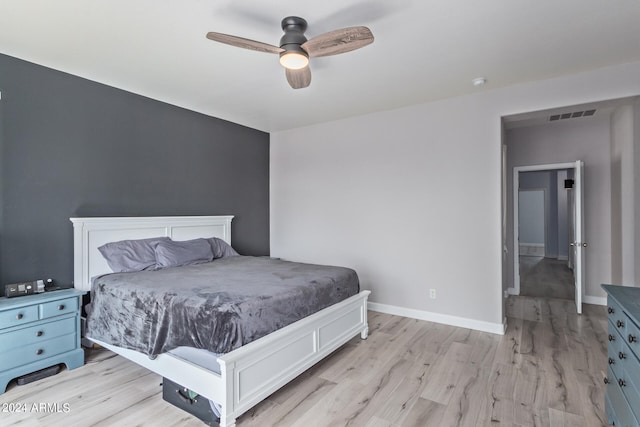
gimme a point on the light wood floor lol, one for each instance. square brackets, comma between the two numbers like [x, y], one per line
[546, 371]
[546, 277]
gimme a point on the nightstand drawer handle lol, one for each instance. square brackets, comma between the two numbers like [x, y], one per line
[621, 383]
[19, 316]
[621, 356]
[39, 333]
[39, 351]
[632, 338]
[611, 361]
[619, 323]
[610, 310]
[611, 338]
[61, 307]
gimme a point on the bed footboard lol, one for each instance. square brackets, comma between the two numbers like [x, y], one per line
[258, 369]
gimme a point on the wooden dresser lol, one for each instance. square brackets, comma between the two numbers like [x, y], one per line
[39, 331]
[622, 400]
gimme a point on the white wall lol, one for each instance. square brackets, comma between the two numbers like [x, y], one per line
[567, 141]
[636, 185]
[548, 181]
[622, 196]
[411, 198]
[532, 212]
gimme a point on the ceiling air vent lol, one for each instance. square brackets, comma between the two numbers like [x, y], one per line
[574, 115]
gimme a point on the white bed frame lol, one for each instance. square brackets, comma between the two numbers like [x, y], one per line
[249, 374]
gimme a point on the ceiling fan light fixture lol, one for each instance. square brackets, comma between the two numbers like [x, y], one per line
[295, 49]
[294, 60]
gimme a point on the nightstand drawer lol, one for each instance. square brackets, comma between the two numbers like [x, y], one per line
[18, 316]
[56, 308]
[37, 333]
[37, 351]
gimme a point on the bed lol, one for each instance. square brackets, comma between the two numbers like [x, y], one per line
[243, 377]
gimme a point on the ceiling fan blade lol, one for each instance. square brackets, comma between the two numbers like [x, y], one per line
[338, 41]
[299, 79]
[243, 43]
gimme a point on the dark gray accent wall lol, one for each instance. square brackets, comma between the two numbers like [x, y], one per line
[73, 147]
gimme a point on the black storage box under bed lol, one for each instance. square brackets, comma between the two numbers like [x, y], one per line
[188, 401]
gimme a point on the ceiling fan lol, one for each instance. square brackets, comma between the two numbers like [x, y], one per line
[295, 49]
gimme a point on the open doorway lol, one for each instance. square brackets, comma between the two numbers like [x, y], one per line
[548, 231]
[544, 234]
[603, 134]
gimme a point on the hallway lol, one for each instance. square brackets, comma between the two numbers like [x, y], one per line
[545, 277]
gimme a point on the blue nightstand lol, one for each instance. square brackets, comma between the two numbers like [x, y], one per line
[39, 331]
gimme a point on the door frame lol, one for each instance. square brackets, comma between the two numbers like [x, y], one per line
[515, 290]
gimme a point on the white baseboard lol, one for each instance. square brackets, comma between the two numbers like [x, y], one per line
[462, 322]
[588, 299]
[563, 258]
[512, 291]
[532, 249]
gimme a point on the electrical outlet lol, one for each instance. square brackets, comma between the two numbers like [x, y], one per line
[432, 293]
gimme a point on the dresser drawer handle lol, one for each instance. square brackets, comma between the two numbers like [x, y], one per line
[19, 316]
[39, 333]
[39, 351]
[611, 338]
[61, 307]
[621, 356]
[632, 339]
[619, 323]
[610, 310]
[606, 380]
[621, 383]
[611, 361]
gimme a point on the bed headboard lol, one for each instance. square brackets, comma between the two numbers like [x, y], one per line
[91, 233]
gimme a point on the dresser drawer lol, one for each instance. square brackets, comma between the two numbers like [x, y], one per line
[56, 308]
[18, 316]
[37, 333]
[623, 413]
[614, 349]
[631, 383]
[37, 351]
[616, 315]
[632, 337]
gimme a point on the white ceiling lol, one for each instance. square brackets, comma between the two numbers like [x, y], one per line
[423, 50]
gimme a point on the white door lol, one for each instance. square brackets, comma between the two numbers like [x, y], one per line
[579, 244]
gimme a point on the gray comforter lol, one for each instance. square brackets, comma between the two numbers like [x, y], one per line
[218, 306]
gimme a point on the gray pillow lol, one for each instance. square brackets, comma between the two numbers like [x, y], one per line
[174, 254]
[221, 249]
[131, 255]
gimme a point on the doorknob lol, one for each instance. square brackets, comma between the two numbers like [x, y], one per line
[584, 245]
[572, 244]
